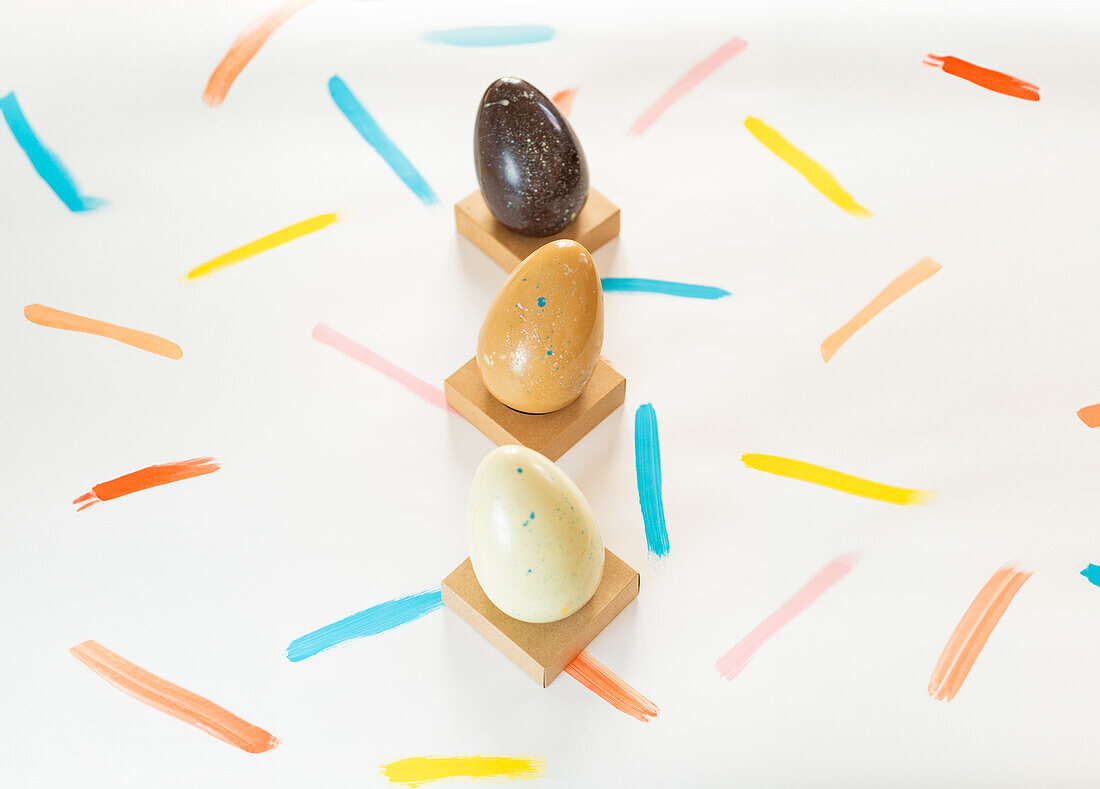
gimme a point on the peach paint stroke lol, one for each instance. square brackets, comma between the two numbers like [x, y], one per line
[419, 387]
[173, 700]
[1090, 415]
[602, 681]
[149, 477]
[58, 319]
[420, 770]
[734, 662]
[245, 47]
[696, 74]
[564, 99]
[973, 630]
[984, 77]
[909, 279]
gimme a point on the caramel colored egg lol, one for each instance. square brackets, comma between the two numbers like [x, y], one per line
[535, 545]
[543, 333]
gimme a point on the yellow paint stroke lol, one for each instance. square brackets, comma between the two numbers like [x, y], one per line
[58, 319]
[418, 770]
[263, 244]
[905, 282]
[837, 480]
[818, 176]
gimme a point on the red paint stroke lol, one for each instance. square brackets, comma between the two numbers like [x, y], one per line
[418, 386]
[987, 78]
[696, 74]
[160, 694]
[245, 47]
[1090, 415]
[602, 681]
[564, 100]
[733, 662]
[146, 478]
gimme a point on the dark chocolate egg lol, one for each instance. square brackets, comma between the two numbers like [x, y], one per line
[530, 164]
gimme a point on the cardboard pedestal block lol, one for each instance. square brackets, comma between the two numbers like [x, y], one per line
[595, 225]
[548, 434]
[542, 650]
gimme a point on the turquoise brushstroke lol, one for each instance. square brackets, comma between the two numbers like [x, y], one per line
[369, 129]
[1092, 572]
[647, 463]
[48, 166]
[491, 36]
[639, 285]
[375, 620]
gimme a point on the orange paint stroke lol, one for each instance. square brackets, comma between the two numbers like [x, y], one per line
[173, 700]
[564, 100]
[973, 631]
[986, 78]
[146, 478]
[602, 681]
[246, 46]
[913, 276]
[1090, 415]
[57, 319]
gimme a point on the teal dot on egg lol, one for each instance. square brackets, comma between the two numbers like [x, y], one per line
[542, 301]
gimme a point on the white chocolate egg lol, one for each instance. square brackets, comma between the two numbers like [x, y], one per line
[535, 545]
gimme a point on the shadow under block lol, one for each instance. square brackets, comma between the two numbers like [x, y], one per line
[595, 225]
[548, 434]
[542, 650]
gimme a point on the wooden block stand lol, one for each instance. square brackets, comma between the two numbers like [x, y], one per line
[595, 225]
[542, 650]
[548, 434]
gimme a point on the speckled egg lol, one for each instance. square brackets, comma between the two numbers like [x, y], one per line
[534, 543]
[530, 165]
[542, 335]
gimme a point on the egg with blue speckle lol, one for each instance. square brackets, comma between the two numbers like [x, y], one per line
[535, 545]
[543, 333]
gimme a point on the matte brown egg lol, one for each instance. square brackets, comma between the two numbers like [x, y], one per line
[543, 333]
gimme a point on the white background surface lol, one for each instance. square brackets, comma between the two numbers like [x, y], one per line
[340, 490]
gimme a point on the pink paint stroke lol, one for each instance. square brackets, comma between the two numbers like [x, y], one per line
[733, 662]
[423, 389]
[696, 74]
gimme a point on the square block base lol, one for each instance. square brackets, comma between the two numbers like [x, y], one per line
[595, 225]
[548, 434]
[542, 650]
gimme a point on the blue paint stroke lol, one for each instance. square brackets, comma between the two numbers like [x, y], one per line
[1092, 572]
[375, 620]
[369, 129]
[639, 285]
[647, 462]
[491, 36]
[48, 166]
